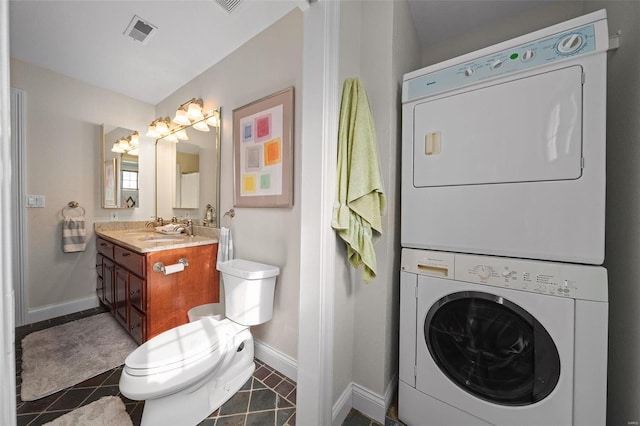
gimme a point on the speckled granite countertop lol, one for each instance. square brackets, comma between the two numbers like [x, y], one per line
[136, 237]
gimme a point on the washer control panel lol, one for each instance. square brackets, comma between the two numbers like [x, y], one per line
[574, 281]
[554, 48]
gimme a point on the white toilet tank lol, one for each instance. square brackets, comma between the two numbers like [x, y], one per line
[249, 289]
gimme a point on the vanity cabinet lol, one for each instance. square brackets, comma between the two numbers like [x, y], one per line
[147, 302]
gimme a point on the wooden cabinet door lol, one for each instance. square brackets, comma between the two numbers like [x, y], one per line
[121, 296]
[137, 325]
[99, 280]
[108, 274]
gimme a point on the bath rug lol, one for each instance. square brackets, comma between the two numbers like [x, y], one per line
[68, 354]
[107, 411]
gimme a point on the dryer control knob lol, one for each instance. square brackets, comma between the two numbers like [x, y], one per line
[497, 64]
[468, 72]
[528, 55]
[570, 44]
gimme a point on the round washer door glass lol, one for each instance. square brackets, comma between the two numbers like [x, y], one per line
[492, 348]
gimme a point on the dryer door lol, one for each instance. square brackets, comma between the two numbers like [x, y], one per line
[492, 348]
[524, 130]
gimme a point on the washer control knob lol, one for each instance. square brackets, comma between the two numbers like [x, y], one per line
[528, 55]
[506, 273]
[495, 65]
[483, 272]
[570, 44]
[468, 72]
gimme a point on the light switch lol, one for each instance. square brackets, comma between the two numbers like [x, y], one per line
[37, 201]
[432, 143]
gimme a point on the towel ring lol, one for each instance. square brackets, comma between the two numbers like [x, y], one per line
[73, 205]
[228, 216]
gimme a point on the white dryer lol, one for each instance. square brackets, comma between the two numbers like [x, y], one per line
[499, 341]
[504, 148]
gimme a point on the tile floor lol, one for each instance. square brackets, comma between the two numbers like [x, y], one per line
[268, 398]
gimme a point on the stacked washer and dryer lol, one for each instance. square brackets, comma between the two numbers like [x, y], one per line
[503, 307]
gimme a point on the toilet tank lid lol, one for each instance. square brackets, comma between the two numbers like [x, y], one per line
[248, 269]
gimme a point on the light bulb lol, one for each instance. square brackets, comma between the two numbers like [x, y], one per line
[194, 112]
[116, 148]
[134, 139]
[162, 128]
[152, 132]
[182, 135]
[181, 117]
[212, 121]
[202, 126]
[171, 138]
[133, 152]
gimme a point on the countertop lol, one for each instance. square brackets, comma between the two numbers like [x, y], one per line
[145, 240]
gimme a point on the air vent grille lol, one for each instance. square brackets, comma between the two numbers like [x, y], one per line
[140, 29]
[228, 5]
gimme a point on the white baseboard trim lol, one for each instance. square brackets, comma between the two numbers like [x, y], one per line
[276, 359]
[367, 402]
[52, 311]
[342, 406]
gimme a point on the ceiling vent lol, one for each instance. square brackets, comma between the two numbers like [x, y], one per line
[228, 5]
[140, 30]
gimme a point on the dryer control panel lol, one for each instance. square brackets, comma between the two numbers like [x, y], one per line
[574, 281]
[551, 49]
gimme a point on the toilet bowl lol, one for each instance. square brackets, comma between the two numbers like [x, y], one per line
[186, 373]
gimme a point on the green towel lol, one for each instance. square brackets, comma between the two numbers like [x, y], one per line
[360, 200]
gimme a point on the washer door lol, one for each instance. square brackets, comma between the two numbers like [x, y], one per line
[492, 348]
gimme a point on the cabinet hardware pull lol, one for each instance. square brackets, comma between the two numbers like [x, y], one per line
[132, 293]
[126, 254]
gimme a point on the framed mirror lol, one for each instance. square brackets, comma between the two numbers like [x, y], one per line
[120, 168]
[188, 175]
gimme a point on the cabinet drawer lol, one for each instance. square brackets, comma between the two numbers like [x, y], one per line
[136, 292]
[105, 247]
[130, 260]
[137, 325]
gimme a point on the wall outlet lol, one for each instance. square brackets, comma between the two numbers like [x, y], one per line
[114, 216]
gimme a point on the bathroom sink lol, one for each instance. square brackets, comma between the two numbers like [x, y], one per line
[164, 238]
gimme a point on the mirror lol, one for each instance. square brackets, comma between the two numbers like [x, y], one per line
[188, 175]
[120, 168]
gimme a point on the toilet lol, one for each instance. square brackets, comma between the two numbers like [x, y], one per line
[186, 373]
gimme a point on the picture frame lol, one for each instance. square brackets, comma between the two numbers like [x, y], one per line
[263, 151]
[110, 195]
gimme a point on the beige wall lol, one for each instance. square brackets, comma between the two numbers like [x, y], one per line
[63, 163]
[268, 63]
[377, 44]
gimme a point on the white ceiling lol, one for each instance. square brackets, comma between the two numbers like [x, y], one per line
[84, 38]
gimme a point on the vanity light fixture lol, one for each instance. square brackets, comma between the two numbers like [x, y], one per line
[127, 145]
[188, 114]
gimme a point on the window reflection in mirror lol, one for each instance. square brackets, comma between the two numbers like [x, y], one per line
[120, 168]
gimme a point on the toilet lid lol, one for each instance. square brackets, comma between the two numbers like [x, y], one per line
[177, 347]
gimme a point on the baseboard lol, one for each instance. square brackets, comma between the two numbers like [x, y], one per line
[367, 402]
[276, 359]
[52, 311]
[342, 406]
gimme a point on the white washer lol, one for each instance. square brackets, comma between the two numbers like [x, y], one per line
[504, 148]
[498, 341]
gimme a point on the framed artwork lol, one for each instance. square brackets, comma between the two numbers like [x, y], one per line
[263, 152]
[109, 189]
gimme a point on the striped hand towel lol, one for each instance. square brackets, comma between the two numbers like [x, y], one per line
[74, 234]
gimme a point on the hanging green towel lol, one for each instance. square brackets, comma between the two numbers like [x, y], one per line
[360, 200]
